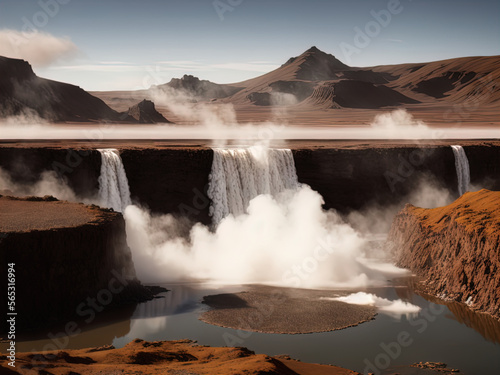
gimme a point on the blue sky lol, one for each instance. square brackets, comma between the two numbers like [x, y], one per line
[131, 44]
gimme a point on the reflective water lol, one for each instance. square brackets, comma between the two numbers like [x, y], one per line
[446, 333]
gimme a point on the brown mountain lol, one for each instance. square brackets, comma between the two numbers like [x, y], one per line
[328, 83]
[325, 82]
[452, 80]
[22, 92]
[445, 93]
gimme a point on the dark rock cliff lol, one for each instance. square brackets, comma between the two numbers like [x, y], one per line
[350, 179]
[53, 281]
[175, 179]
[79, 168]
[170, 180]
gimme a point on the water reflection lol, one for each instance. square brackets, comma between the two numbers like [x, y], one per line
[106, 326]
[484, 324]
[456, 336]
[180, 299]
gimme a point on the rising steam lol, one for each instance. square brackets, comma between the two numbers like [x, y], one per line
[218, 122]
[48, 184]
[395, 308]
[286, 240]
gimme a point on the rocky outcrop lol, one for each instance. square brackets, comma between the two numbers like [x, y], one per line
[70, 261]
[456, 249]
[200, 89]
[146, 113]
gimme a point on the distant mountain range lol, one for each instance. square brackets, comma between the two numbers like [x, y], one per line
[321, 80]
[316, 80]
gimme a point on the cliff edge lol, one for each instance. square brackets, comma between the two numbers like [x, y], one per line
[455, 248]
[67, 260]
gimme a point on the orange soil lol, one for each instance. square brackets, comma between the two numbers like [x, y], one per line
[172, 357]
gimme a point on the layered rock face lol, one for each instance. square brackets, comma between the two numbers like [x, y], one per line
[46, 240]
[456, 249]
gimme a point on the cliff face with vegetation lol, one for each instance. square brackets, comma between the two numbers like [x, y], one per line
[456, 249]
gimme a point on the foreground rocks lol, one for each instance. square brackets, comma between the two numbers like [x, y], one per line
[456, 249]
[163, 357]
[439, 367]
[70, 260]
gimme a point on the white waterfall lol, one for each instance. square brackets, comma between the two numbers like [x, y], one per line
[462, 167]
[113, 184]
[240, 174]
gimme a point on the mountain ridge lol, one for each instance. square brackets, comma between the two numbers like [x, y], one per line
[23, 93]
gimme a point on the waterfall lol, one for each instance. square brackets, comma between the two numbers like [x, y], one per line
[113, 184]
[240, 174]
[462, 166]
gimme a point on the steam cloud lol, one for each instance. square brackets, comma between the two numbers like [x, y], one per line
[48, 184]
[288, 240]
[218, 122]
[376, 219]
[394, 308]
[38, 48]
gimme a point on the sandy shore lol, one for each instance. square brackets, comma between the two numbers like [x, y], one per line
[284, 310]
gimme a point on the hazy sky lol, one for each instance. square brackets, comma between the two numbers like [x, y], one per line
[130, 44]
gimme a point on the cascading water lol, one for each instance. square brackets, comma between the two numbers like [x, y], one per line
[462, 167]
[239, 175]
[268, 229]
[113, 184]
